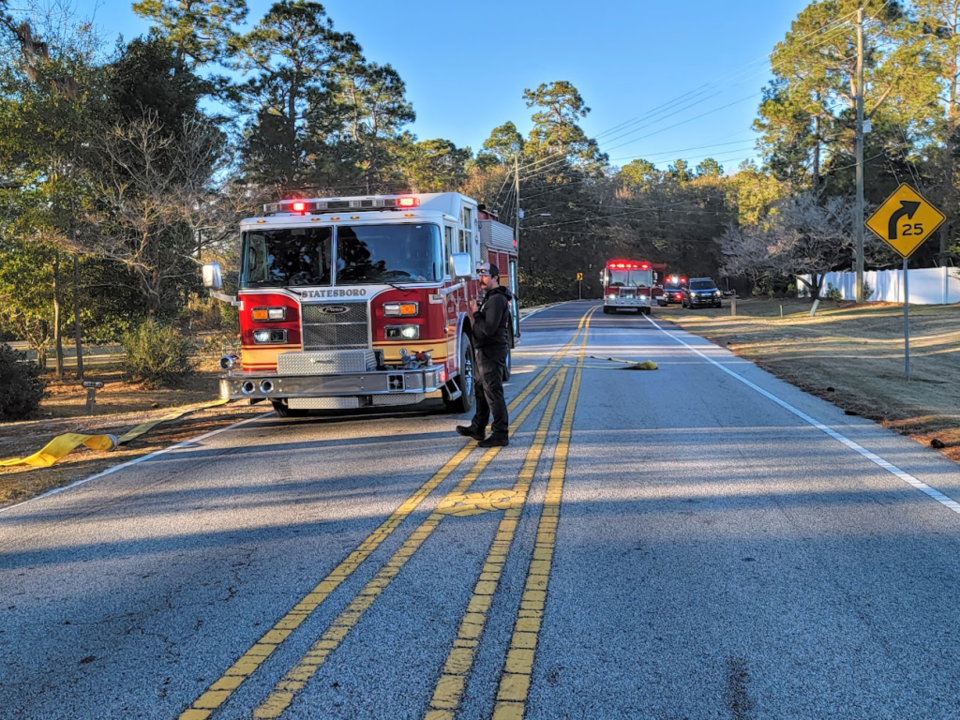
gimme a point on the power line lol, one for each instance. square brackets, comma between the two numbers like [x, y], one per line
[828, 33]
[831, 28]
[622, 214]
[683, 150]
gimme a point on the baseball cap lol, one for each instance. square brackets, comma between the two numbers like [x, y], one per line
[494, 271]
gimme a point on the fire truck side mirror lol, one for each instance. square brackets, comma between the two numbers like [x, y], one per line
[461, 266]
[212, 278]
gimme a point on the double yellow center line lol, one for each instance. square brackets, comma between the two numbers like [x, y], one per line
[280, 698]
[515, 680]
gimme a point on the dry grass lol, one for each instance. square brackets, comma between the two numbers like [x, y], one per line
[852, 356]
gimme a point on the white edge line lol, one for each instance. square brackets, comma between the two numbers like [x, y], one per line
[876, 459]
[140, 459]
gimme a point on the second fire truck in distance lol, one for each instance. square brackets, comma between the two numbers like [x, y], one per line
[361, 301]
[629, 285]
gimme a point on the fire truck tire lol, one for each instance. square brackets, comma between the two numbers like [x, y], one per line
[606, 310]
[284, 410]
[464, 380]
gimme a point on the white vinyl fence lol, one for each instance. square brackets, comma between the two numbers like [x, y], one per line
[928, 286]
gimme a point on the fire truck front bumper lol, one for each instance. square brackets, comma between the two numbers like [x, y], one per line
[618, 301]
[377, 387]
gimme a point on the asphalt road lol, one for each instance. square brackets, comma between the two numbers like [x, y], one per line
[697, 541]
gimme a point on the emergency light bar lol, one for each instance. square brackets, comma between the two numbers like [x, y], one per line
[616, 265]
[305, 207]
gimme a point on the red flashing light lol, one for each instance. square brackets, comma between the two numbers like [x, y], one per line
[408, 202]
[299, 207]
[645, 266]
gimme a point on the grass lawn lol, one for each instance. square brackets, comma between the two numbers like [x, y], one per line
[852, 356]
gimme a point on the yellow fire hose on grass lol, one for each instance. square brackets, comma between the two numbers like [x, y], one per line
[63, 445]
[634, 365]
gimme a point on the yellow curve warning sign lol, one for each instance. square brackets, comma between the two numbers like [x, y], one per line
[905, 220]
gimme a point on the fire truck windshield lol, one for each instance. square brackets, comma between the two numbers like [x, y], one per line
[388, 253]
[286, 257]
[366, 254]
[630, 278]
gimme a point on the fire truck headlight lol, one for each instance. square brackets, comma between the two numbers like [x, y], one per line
[402, 332]
[404, 309]
[270, 336]
[611, 297]
[268, 314]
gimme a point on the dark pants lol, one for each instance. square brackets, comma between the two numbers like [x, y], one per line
[488, 385]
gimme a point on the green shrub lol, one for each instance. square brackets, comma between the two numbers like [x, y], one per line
[158, 354]
[220, 343]
[229, 318]
[833, 293]
[867, 291]
[21, 387]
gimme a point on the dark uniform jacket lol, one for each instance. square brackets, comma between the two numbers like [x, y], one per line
[491, 323]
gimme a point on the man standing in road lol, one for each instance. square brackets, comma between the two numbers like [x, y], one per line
[491, 343]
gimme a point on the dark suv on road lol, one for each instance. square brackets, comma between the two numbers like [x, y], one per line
[701, 292]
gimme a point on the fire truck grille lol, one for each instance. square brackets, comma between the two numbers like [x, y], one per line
[330, 327]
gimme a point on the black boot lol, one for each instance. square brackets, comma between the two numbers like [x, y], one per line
[495, 441]
[471, 431]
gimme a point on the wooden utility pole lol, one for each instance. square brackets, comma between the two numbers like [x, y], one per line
[77, 335]
[57, 320]
[516, 191]
[858, 217]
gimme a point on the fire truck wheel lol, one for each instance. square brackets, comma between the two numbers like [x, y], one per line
[606, 310]
[464, 380]
[284, 410]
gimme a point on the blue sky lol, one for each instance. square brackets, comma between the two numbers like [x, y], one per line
[466, 65]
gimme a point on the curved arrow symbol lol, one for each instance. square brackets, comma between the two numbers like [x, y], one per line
[908, 208]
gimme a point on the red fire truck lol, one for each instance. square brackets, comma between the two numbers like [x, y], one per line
[630, 285]
[364, 301]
